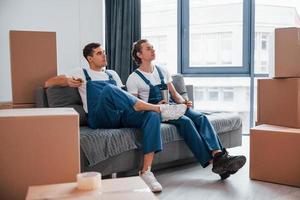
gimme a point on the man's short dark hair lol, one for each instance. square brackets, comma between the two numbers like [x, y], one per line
[137, 47]
[88, 49]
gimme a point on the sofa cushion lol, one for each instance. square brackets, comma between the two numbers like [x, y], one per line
[66, 97]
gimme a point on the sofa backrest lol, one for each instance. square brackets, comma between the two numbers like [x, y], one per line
[61, 97]
[69, 97]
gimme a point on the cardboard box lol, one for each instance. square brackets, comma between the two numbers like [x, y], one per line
[278, 102]
[274, 154]
[37, 146]
[130, 188]
[287, 52]
[33, 61]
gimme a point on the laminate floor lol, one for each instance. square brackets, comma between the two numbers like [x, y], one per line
[194, 182]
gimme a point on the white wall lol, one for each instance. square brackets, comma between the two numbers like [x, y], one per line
[76, 22]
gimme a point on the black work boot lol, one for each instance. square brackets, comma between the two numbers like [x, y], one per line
[226, 174]
[224, 164]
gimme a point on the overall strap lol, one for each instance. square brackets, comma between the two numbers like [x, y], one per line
[161, 76]
[87, 77]
[143, 77]
[109, 75]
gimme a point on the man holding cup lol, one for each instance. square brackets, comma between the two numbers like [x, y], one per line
[153, 85]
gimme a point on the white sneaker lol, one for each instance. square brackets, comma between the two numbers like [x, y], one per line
[169, 112]
[149, 178]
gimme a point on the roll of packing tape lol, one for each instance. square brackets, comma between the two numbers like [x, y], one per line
[88, 181]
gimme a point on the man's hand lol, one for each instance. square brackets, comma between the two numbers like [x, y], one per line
[73, 82]
[163, 102]
[188, 103]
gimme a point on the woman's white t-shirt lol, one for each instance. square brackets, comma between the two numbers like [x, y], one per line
[95, 76]
[137, 86]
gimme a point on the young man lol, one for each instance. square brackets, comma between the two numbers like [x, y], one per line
[108, 106]
[196, 130]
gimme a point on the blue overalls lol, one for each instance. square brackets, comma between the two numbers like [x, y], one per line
[194, 127]
[154, 93]
[111, 107]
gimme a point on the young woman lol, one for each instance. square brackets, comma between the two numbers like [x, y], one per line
[196, 130]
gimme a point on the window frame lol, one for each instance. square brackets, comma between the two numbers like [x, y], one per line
[218, 71]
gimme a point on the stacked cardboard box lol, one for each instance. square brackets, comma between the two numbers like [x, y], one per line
[287, 52]
[274, 146]
[33, 61]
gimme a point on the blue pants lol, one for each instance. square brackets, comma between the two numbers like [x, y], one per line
[149, 123]
[115, 110]
[199, 135]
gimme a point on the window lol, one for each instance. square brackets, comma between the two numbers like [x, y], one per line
[215, 37]
[270, 15]
[206, 41]
[214, 40]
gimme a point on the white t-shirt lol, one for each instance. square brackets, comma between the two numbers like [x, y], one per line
[136, 85]
[95, 76]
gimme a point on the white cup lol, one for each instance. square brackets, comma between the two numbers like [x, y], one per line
[89, 181]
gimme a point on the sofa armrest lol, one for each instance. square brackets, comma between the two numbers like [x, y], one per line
[41, 98]
[190, 92]
[186, 91]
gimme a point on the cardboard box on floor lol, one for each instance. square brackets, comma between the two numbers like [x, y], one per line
[37, 146]
[278, 102]
[287, 52]
[274, 154]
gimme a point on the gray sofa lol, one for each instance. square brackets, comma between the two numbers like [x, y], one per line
[119, 150]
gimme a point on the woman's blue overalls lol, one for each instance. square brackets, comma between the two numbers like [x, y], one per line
[111, 107]
[194, 127]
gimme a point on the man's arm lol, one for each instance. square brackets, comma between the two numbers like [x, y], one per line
[177, 97]
[63, 80]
